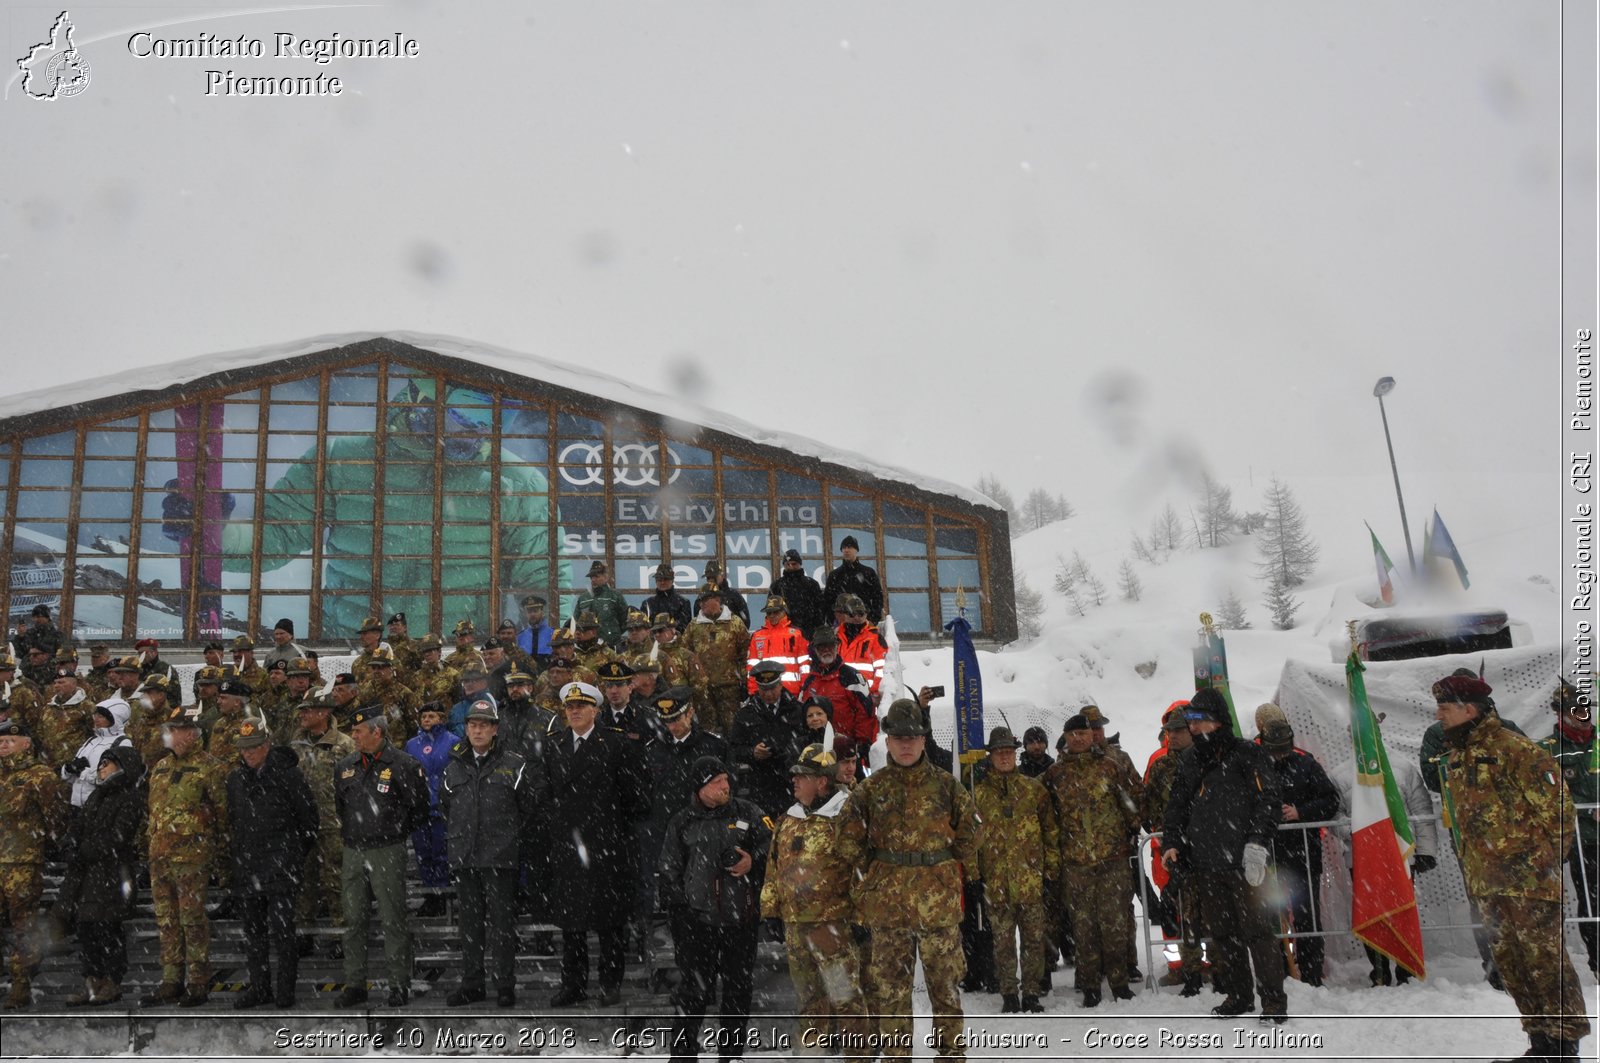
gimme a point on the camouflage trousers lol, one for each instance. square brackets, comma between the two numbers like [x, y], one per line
[717, 704]
[894, 962]
[1098, 897]
[21, 887]
[322, 882]
[179, 893]
[1006, 921]
[1534, 963]
[825, 967]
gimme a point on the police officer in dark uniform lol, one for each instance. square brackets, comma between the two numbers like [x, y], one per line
[381, 796]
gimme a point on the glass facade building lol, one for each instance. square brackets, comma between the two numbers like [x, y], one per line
[381, 477]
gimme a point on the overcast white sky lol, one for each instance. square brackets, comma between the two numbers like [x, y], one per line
[938, 232]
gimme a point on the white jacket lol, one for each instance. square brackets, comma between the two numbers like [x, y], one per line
[104, 738]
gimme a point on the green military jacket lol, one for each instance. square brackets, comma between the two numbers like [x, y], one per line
[318, 756]
[609, 608]
[677, 667]
[406, 657]
[400, 704]
[912, 836]
[1096, 814]
[188, 807]
[1158, 790]
[718, 649]
[595, 654]
[1019, 849]
[33, 809]
[61, 729]
[1512, 810]
[807, 880]
[1580, 767]
[219, 743]
[434, 682]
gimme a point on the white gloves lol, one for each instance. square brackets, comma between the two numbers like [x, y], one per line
[1255, 863]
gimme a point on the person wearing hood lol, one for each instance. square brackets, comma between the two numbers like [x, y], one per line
[1513, 814]
[431, 747]
[719, 645]
[910, 831]
[273, 825]
[102, 875]
[712, 859]
[1218, 827]
[1035, 758]
[83, 770]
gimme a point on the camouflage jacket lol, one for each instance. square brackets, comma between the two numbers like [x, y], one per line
[144, 731]
[634, 656]
[433, 682]
[361, 667]
[1513, 810]
[1095, 812]
[400, 704]
[406, 657]
[595, 654]
[1158, 791]
[1019, 848]
[33, 809]
[255, 675]
[719, 650]
[807, 881]
[898, 815]
[1580, 767]
[220, 742]
[97, 683]
[26, 701]
[61, 729]
[461, 660]
[318, 756]
[188, 808]
[677, 667]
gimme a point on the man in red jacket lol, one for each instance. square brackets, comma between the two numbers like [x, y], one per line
[860, 644]
[843, 686]
[779, 640]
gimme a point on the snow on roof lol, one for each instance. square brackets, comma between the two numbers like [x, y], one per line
[600, 385]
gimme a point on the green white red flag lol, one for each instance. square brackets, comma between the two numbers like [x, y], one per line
[1385, 566]
[1383, 907]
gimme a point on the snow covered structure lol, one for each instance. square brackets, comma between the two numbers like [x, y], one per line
[339, 477]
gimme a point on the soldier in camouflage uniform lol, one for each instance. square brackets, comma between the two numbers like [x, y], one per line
[126, 679]
[272, 701]
[431, 680]
[1512, 812]
[400, 702]
[635, 648]
[677, 667]
[206, 682]
[521, 661]
[371, 636]
[592, 651]
[911, 833]
[719, 645]
[808, 887]
[245, 665]
[233, 708]
[1135, 783]
[1181, 902]
[64, 723]
[186, 828]
[33, 808]
[320, 745]
[23, 694]
[97, 680]
[1018, 855]
[157, 698]
[1573, 744]
[1096, 813]
[404, 647]
[562, 669]
[466, 653]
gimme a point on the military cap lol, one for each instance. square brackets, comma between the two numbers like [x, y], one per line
[1568, 698]
[614, 672]
[66, 655]
[1175, 719]
[666, 571]
[579, 694]
[713, 570]
[398, 618]
[1035, 734]
[371, 623]
[637, 620]
[301, 666]
[710, 590]
[286, 626]
[316, 704]
[474, 675]
[850, 603]
[506, 625]
[429, 642]
[1002, 738]
[483, 709]
[13, 728]
[651, 666]
[844, 748]
[517, 675]
[599, 568]
[216, 645]
[157, 684]
[345, 679]
[792, 555]
[814, 760]
[775, 604]
[42, 610]
[183, 717]
[1075, 722]
[849, 541]
[533, 601]
[146, 643]
[662, 622]
[904, 720]
[1465, 689]
[278, 664]
[463, 627]
[244, 644]
[236, 687]
[8, 663]
[824, 636]
[433, 706]
[1096, 718]
[1209, 704]
[706, 769]
[382, 656]
[587, 621]
[126, 664]
[208, 676]
[767, 673]
[493, 643]
[562, 637]
[372, 714]
[252, 733]
[226, 672]
[673, 703]
[1277, 738]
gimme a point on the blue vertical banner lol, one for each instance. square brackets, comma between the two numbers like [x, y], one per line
[968, 690]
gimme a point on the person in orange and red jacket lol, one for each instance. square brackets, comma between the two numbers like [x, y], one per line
[779, 640]
[843, 686]
[860, 645]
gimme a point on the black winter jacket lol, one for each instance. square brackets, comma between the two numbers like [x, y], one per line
[803, 597]
[100, 882]
[1303, 784]
[381, 799]
[669, 763]
[673, 604]
[694, 856]
[1224, 797]
[589, 803]
[852, 577]
[272, 822]
[486, 806]
[783, 728]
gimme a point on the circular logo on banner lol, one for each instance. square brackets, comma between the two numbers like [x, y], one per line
[632, 464]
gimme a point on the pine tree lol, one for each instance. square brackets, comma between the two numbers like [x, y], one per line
[1142, 551]
[1093, 589]
[1038, 509]
[1030, 609]
[1230, 615]
[1066, 576]
[1128, 582]
[1166, 531]
[1217, 516]
[1280, 603]
[1064, 510]
[991, 486]
[1286, 548]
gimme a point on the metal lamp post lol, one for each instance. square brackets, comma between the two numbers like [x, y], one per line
[1380, 389]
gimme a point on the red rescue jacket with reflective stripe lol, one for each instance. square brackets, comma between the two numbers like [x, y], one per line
[846, 689]
[865, 653]
[783, 643]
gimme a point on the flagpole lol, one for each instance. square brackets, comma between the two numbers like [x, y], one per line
[1380, 389]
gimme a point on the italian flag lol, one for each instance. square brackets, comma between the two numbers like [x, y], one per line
[1383, 907]
[1385, 566]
